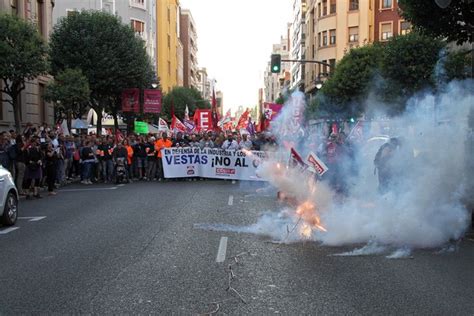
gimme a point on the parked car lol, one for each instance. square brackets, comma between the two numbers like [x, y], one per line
[8, 198]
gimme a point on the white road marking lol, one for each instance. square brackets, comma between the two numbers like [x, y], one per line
[8, 230]
[121, 185]
[231, 200]
[33, 218]
[222, 250]
[233, 181]
[91, 189]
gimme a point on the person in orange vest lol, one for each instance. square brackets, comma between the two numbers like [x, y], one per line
[129, 148]
[163, 142]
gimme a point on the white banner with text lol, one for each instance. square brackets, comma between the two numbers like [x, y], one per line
[211, 163]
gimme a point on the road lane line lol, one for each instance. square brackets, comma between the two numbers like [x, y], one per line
[91, 189]
[231, 200]
[222, 250]
[8, 230]
[33, 218]
[121, 185]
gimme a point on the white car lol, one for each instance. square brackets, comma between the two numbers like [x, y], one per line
[8, 198]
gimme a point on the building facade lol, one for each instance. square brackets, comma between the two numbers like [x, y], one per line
[188, 36]
[33, 108]
[180, 63]
[167, 41]
[298, 47]
[139, 14]
[204, 84]
[275, 83]
[333, 28]
[387, 21]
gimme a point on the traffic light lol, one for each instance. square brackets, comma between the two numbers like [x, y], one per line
[275, 65]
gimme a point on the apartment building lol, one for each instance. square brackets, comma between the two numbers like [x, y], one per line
[168, 43]
[275, 83]
[33, 108]
[188, 36]
[139, 14]
[333, 28]
[298, 46]
[387, 21]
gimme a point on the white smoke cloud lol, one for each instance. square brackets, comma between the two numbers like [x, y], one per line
[424, 208]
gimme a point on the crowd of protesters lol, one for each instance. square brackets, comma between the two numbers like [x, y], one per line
[42, 157]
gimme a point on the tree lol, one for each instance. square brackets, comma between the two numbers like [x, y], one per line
[348, 86]
[458, 65]
[455, 22]
[408, 64]
[23, 57]
[180, 97]
[109, 54]
[70, 91]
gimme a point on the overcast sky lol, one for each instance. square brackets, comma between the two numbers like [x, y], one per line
[235, 41]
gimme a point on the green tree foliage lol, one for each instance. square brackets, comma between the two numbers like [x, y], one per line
[408, 63]
[345, 90]
[458, 65]
[454, 22]
[23, 57]
[180, 97]
[109, 54]
[70, 91]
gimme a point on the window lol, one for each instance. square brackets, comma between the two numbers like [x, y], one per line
[332, 8]
[138, 2]
[138, 26]
[386, 31]
[353, 5]
[40, 15]
[386, 4]
[169, 41]
[353, 34]
[319, 39]
[325, 68]
[325, 7]
[332, 62]
[169, 68]
[405, 27]
[332, 37]
[325, 38]
[319, 10]
[169, 15]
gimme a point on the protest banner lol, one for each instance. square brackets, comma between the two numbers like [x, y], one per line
[316, 164]
[211, 163]
[203, 119]
[141, 127]
[130, 100]
[151, 101]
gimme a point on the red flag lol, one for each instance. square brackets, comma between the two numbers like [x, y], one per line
[177, 125]
[215, 115]
[203, 120]
[243, 120]
[172, 107]
[118, 136]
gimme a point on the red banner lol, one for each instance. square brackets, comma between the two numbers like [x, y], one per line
[203, 119]
[270, 112]
[152, 101]
[131, 100]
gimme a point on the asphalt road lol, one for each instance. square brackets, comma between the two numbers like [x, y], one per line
[136, 249]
